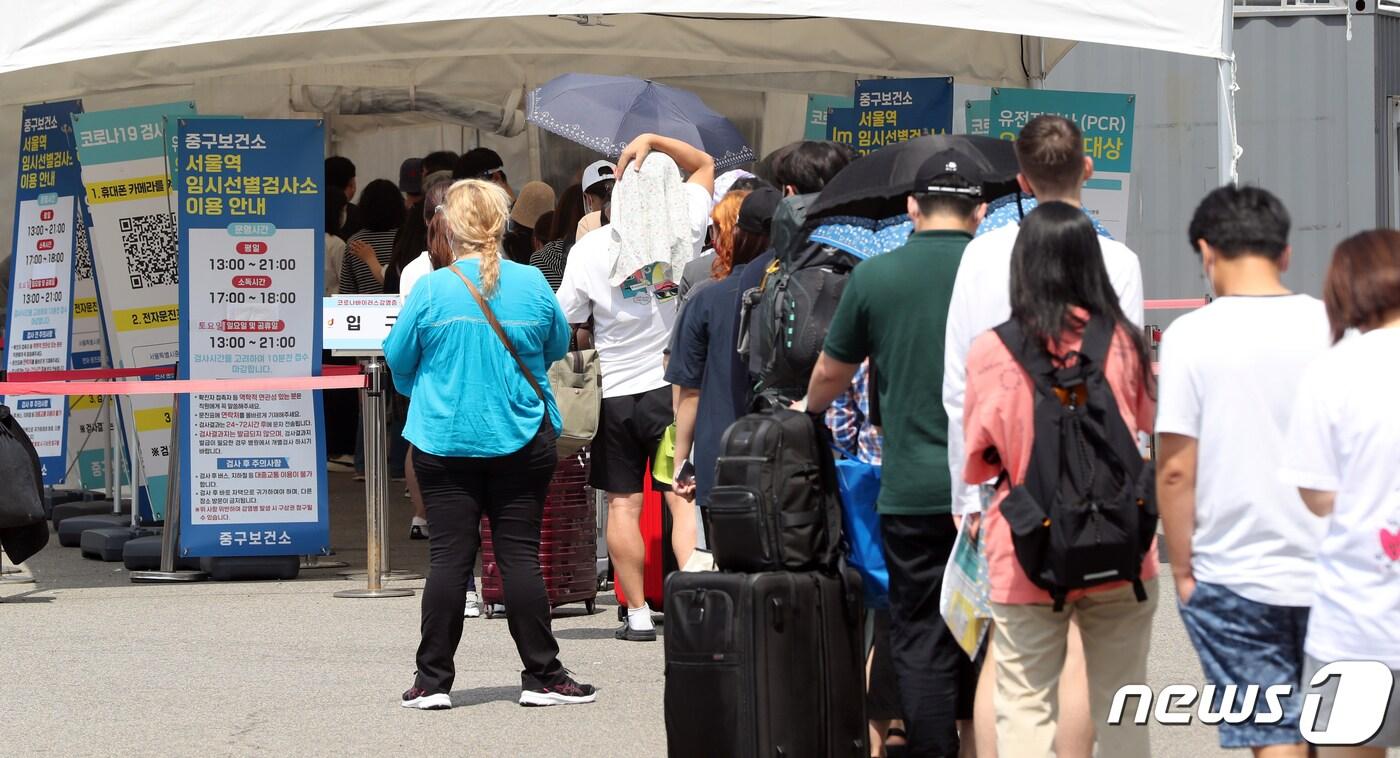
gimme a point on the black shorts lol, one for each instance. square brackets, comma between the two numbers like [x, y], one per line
[629, 430]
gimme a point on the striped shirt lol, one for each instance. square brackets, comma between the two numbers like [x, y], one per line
[550, 260]
[355, 276]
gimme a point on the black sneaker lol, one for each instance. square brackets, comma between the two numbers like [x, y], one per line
[567, 692]
[426, 701]
[418, 532]
[626, 632]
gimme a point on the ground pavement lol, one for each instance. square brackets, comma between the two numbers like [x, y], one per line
[91, 664]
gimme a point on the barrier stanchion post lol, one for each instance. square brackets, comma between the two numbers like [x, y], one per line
[108, 455]
[376, 485]
[170, 535]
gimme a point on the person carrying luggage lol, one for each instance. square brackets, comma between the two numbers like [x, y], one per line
[493, 456]
[894, 311]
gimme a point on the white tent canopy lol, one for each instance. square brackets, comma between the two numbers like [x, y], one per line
[968, 38]
[257, 58]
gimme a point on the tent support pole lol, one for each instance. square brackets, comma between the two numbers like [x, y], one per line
[1227, 137]
[1035, 62]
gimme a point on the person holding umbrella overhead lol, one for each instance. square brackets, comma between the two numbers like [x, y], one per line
[894, 312]
[622, 275]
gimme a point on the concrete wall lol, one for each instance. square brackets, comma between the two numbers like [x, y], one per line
[1305, 113]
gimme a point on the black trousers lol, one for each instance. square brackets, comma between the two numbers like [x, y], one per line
[936, 679]
[511, 491]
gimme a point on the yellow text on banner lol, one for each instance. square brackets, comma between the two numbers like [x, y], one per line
[84, 402]
[153, 419]
[85, 307]
[135, 319]
[121, 190]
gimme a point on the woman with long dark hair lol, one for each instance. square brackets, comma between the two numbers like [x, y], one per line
[372, 247]
[1343, 455]
[556, 237]
[1059, 285]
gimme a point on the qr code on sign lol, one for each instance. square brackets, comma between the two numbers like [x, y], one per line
[82, 255]
[151, 249]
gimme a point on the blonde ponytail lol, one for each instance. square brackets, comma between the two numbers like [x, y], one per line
[476, 214]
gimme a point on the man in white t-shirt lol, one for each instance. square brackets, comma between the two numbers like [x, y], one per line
[632, 324]
[1241, 542]
[1053, 168]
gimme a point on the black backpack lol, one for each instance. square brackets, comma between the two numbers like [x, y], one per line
[775, 505]
[1087, 512]
[783, 322]
[23, 501]
[793, 314]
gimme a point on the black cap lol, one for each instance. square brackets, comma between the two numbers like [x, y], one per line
[956, 172]
[477, 163]
[756, 212]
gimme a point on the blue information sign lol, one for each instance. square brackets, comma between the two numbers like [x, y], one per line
[48, 207]
[897, 110]
[251, 250]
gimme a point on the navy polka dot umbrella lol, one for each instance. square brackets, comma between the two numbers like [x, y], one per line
[604, 113]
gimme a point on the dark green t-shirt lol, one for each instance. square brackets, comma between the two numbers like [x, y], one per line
[894, 311]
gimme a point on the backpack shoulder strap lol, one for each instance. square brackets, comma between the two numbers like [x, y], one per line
[500, 333]
[1098, 340]
[1098, 337]
[1035, 359]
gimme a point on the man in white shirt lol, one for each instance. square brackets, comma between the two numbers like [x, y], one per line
[632, 324]
[1242, 543]
[598, 181]
[1053, 168]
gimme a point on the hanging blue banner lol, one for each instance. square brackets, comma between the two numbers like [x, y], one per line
[817, 108]
[252, 465]
[841, 125]
[48, 207]
[889, 111]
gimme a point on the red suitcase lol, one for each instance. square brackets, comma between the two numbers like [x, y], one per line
[568, 543]
[660, 559]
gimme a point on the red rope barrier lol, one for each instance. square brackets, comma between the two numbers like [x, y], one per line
[186, 386]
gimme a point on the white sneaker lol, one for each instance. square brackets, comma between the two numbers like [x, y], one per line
[421, 700]
[473, 606]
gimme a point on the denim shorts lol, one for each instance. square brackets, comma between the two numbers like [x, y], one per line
[1242, 642]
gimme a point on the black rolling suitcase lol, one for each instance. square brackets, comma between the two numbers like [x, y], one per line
[764, 665]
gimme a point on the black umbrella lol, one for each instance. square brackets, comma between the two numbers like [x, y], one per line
[875, 186]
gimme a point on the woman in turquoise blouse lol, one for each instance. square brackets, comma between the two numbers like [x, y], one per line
[483, 439]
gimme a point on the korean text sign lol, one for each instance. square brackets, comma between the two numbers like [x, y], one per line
[1106, 121]
[48, 209]
[978, 114]
[841, 125]
[134, 254]
[359, 324]
[889, 111]
[817, 107]
[251, 218]
[87, 424]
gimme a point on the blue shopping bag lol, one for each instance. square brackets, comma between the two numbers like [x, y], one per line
[860, 486]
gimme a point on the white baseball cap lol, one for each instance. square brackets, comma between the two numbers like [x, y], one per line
[599, 171]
